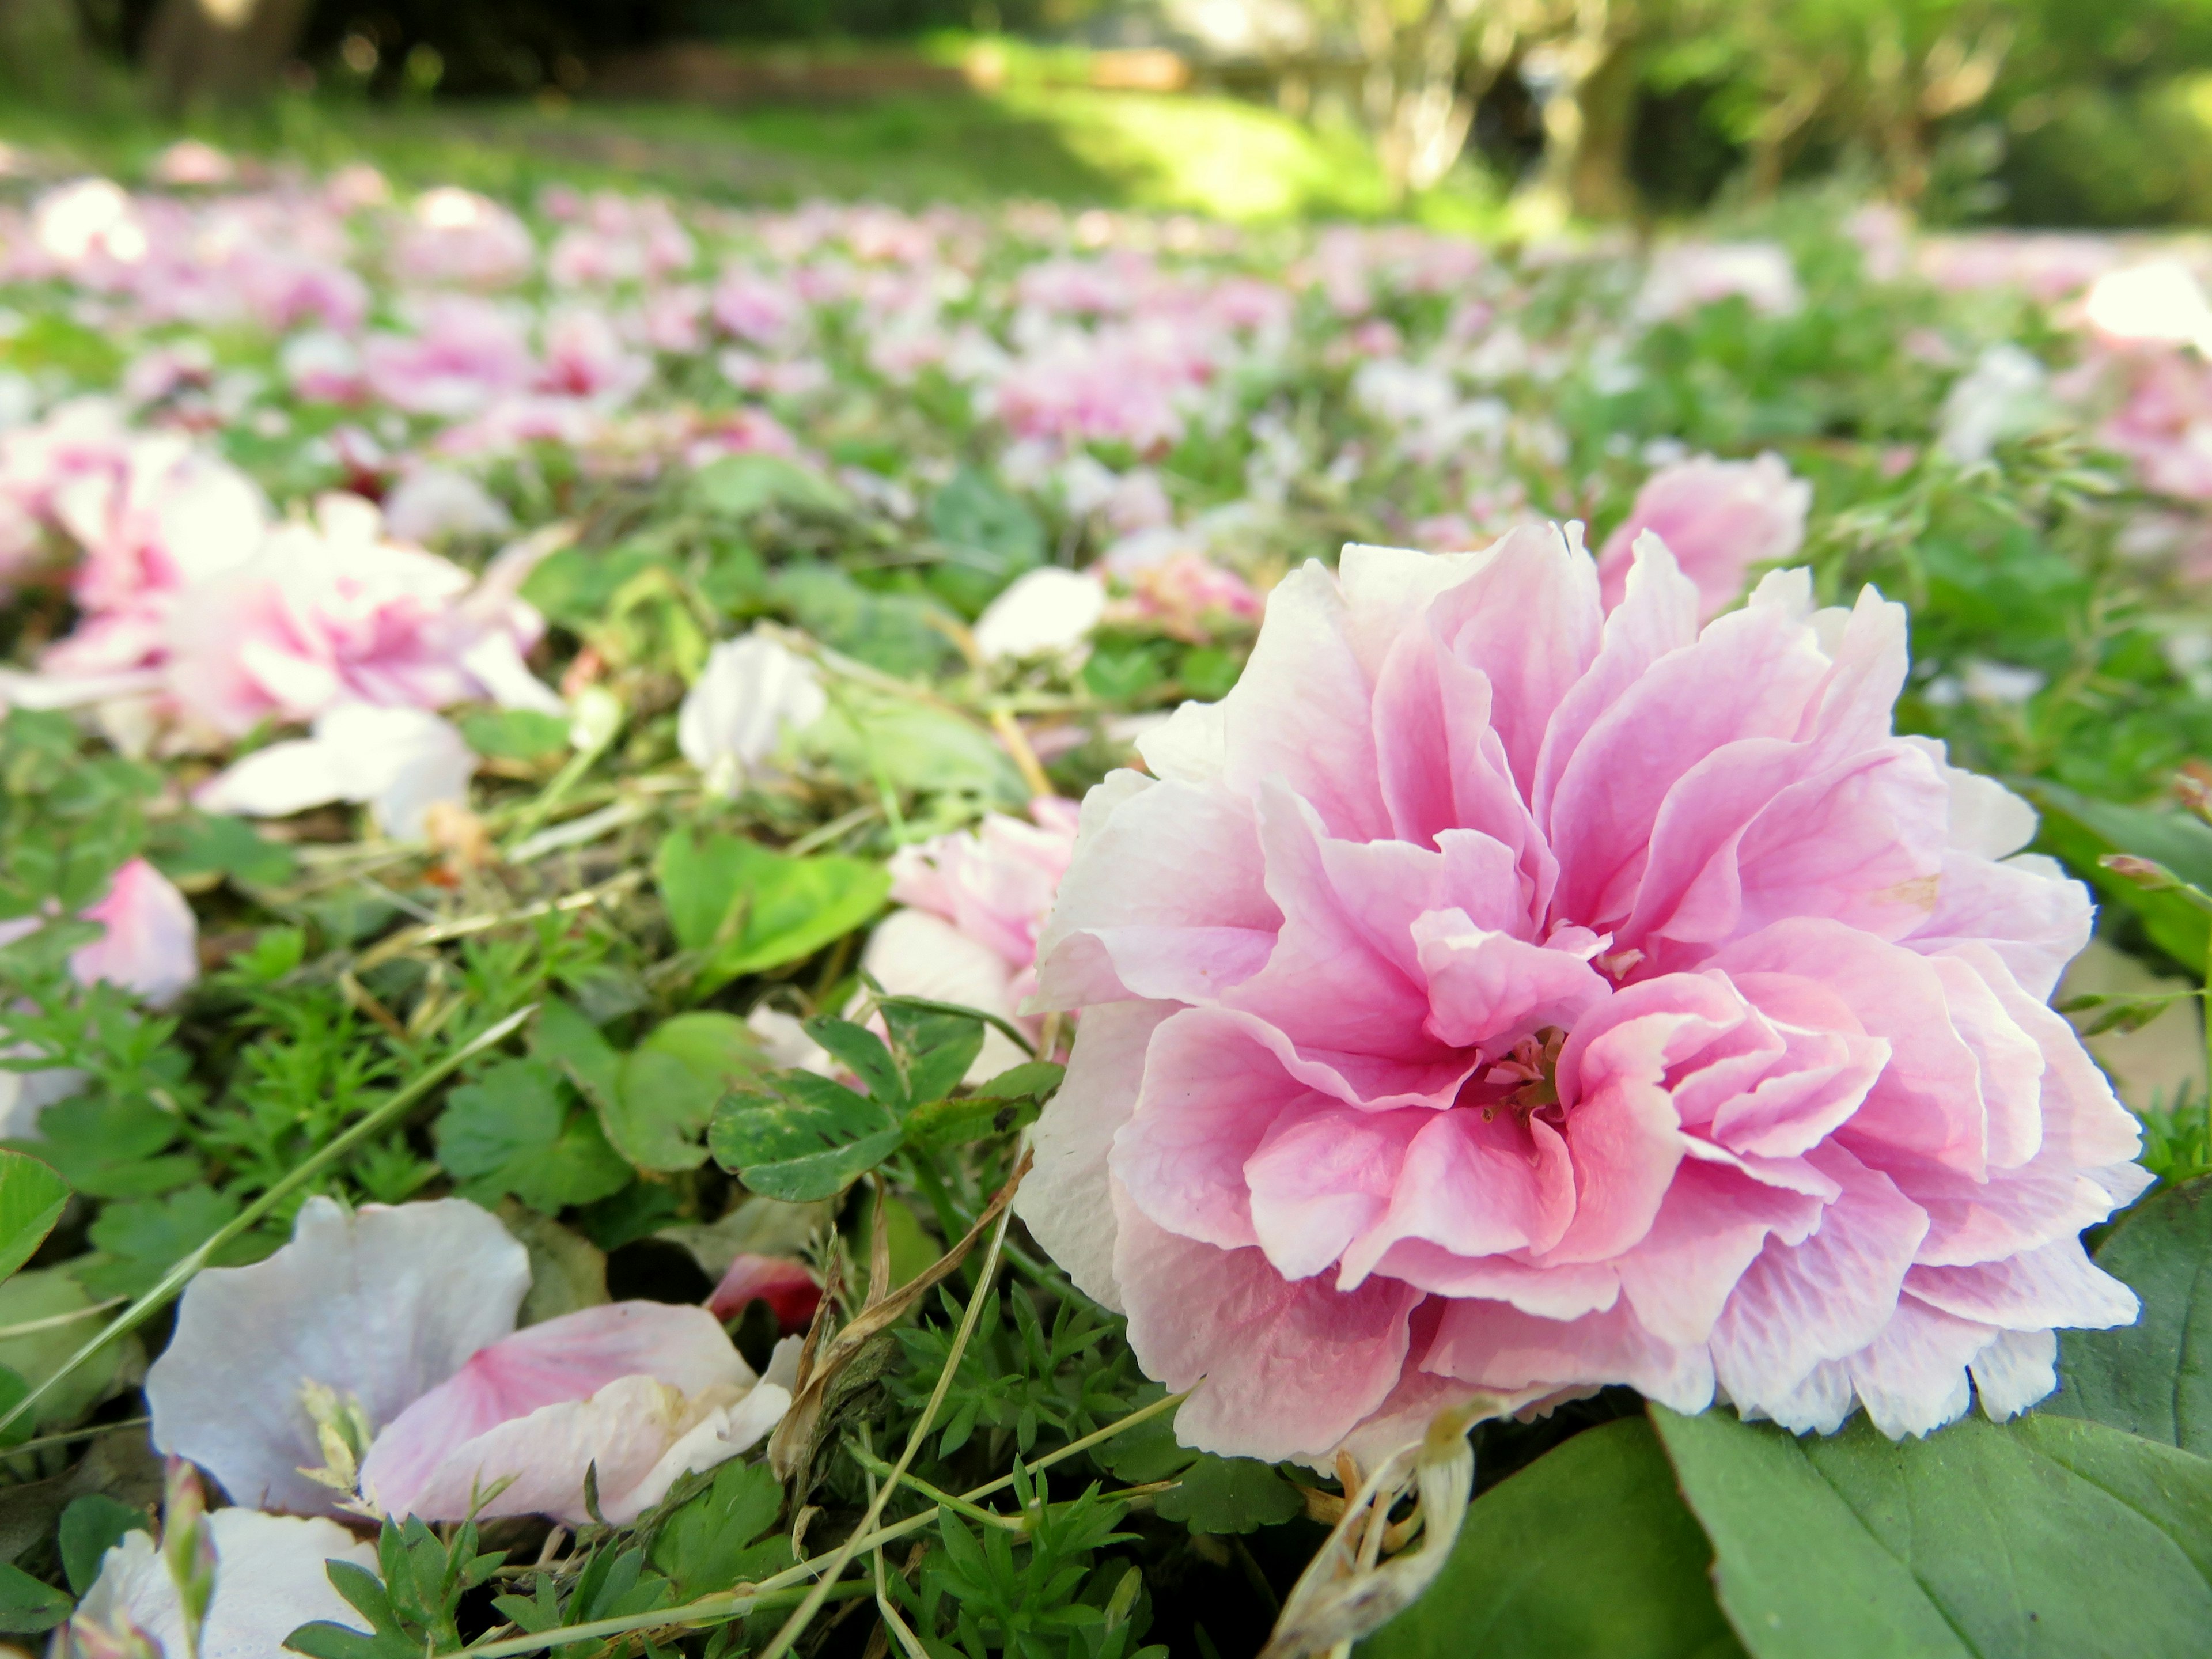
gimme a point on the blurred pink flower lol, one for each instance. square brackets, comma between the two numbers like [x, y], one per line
[1721, 519]
[190, 161]
[586, 358]
[1686, 274]
[757, 309]
[994, 883]
[150, 941]
[456, 236]
[151, 945]
[333, 612]
[1493, 995]
[466, 353]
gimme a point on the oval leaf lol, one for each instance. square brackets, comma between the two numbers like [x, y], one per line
[2051, 1537]
[2153, 1377]
[1587, 1551]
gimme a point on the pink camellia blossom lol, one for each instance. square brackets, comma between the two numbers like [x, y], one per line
[642, 1391]
[332, 613]
[465, 354]
[456, 236]
[994, 883]
[1719, 520]
[1492, 995]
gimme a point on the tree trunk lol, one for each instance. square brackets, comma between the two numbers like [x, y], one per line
[221, 51]
[1597, 183]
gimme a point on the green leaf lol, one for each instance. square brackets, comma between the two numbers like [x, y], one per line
[747, 908]
[715, 1540]
[990, 538]
[31, 1199]
[865, 1056]
[203, 844]
[2154, 1377]
[566, 1038]
[934, 1046]
[27, 1605]
[108, 1148]
[1228, 1494]
[90, 1527]
[50, 1294]
[2081, 831]
[144, 1239]
[739, 486]
[801, 1138]
[516, 734]
[1588, 1551]
[669, 1086]
[871, 738]
[1008, 1102]
[894, 632]
[512, 1131]
[1149, 1451]
[2050, 1537]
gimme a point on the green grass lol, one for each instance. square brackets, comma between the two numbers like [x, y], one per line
[1199, 152]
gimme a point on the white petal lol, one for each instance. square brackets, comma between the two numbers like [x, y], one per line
[2014, 1371]
[639, 1433]
[271, 1577]
[277, 782]
[383, 1305]
[1047, 611]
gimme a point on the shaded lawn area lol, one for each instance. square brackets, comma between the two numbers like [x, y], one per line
[1205, 154]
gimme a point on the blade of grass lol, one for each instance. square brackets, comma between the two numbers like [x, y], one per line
[175, 1279]
[776, 1591]
[803, 1615]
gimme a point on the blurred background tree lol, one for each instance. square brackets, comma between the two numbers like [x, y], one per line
[2057, 112]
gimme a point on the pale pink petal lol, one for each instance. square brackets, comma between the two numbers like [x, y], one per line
[564, 1360]
[151, 942]
[1066, 1201]
[379, 1306]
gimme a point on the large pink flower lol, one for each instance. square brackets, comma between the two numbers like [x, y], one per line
[1490, 993]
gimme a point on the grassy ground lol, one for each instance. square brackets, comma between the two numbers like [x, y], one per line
[1213, 154]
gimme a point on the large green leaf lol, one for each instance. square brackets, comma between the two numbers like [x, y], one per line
[739, 486]
[801, 1138]
[668, 1084]
[867, 735]
[1586, 1552]
[2153, 1377]
[513, 1131]
[52, 1314]
[989, 538]
[746, 908]
[31, 1199]
[2081, 831]
[2052, 1538]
